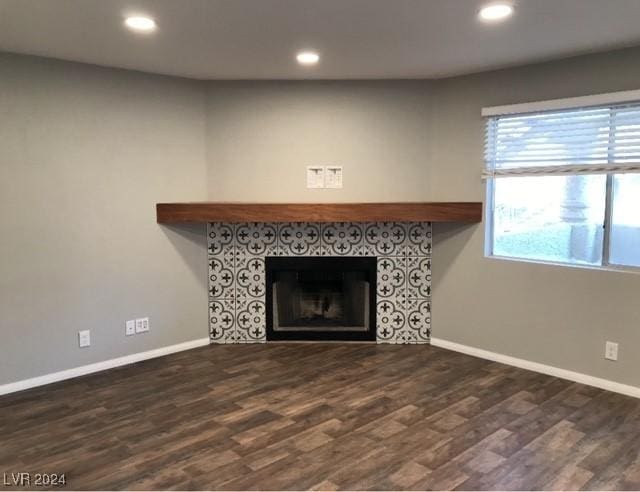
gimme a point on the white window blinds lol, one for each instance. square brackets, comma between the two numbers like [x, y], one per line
[580, 140]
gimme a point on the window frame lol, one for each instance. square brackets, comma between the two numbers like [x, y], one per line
[559, 105]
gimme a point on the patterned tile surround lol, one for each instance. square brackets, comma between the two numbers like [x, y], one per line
[237, 273]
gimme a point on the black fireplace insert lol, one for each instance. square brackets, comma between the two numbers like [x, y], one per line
[321, 298]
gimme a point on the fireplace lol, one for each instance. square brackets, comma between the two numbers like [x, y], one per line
[384, 264]
[320, 298]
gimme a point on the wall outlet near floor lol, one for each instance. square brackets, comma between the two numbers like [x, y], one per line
[142, 325]
[84, 338]
[611, 351]
[130, 327]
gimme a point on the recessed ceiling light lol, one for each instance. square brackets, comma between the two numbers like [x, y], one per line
[307, 58]
[140, 24]
[495, 12]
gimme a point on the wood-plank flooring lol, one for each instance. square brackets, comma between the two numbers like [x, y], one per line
[322, 416]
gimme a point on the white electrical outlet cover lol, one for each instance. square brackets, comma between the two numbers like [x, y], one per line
[130, 327]
[84, 338]
[142, 325]
[611, 351]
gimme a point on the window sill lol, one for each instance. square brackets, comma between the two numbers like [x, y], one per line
[605, 268]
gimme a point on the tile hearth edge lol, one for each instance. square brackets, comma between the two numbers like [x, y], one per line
[236, 258]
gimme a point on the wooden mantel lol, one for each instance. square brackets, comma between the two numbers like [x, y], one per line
[319, 212]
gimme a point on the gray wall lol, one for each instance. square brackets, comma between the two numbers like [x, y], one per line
[85, 153]
[404, 141]
[262, 135]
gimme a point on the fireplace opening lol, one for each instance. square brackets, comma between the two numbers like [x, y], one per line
[320, 298]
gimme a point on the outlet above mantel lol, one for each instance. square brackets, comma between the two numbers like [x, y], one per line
[167, 213]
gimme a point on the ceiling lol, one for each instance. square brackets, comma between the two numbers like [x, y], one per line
[357, 39]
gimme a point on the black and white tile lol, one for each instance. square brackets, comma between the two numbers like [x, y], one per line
[392, 275]
[390, 320]
[419, 277]
[342, 239]
[221, 278]
[221, 238]
[299, 239]
[221, 320]
[418, 241]
[236, 260]
[256, 238]
[385, 239]
[419, 318]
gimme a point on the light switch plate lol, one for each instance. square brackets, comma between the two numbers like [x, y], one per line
[84, 338]
[333, 177]
[611, 351]
[315, 177]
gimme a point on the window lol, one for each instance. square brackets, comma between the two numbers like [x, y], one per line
[563, 180]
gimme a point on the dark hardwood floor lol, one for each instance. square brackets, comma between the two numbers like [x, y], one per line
[322, 416]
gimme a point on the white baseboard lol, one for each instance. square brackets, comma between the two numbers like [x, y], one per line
[99, 366]
[577, 377]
